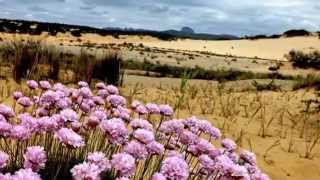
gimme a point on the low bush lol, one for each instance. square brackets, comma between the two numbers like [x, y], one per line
[304, 60]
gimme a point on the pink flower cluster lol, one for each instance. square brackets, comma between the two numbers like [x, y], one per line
[140, 141]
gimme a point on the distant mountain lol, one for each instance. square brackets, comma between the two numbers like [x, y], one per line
[187, 32]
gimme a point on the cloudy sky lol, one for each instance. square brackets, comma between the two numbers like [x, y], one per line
[238, 17]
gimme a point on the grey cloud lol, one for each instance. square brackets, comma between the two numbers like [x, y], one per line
[218, 16]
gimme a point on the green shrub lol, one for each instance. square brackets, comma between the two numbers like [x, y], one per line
[304, 60]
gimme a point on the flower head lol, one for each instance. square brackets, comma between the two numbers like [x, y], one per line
[6, 111]
[32, 84]
[85, 171]
[143, 136]
[158, 176]
[69, 115]
[141, 123]
[175, 168]
[166, 110]
[17, 95]
[100, 160]
[229, 144]
[124, 163]
[115, 130]
[112, 89]
[136, 149]
[152, 108]
[25, 102]
[20, 132]
[24, 174]
[45, 85]
[4, 157]
[69, 137]
[116, 100]
[155, 148]
[35, 158]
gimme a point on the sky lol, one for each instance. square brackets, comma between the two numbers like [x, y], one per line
[238, 17]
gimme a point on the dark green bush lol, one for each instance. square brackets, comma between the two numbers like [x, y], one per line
[304, 60]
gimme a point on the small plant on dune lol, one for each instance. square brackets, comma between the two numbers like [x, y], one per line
[82, 133]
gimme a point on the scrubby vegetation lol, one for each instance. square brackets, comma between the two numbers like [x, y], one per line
[33, 59]
[304, 60]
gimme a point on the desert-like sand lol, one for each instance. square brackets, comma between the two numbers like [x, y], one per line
[263, 48]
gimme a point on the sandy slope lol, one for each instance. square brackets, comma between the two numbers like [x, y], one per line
[263, 48]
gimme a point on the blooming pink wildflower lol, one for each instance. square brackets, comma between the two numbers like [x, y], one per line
[69, 137]
[136, 149]
[143, 136]
[24, 174]
[124, 163]
[45, 85]
[32, 84]
[100, 160]
[85, 171]
[35, 158]
[4, 157]
[175, 168]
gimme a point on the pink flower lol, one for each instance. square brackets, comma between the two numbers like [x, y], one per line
[69, 137]
[122, 113]
[45, 85]
[158, 176]
[5, 129]
[99, 159]
[48, 98]
[85, 171]
[135, 104]
[76, 126]
[4, 157]
[101, 85]
[143, 136]
[166, 110]
[47, 124]
[175, 168]
[172, 126]
[98, 100]
[69, 115]
[83, 84]
[2, 118]
[188, 138]
[141, 123]
[141, 109]
[85, 92]
[6, 176]
[152, 108]
[116, 130]
[155, 148]
[248, 157]
[63, 103]
[17, 95]
[102, 93]
[136, 149]
[259, 176]
[20, 133]
[26, 174]
[25, 102]
[116, 100]
[207, 164]
[35, 158]
[32, 84]
[229, 144]
[123, 163]
[112, 89]
[6, 111]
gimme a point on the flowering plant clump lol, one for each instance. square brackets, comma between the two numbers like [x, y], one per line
[57, 132]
